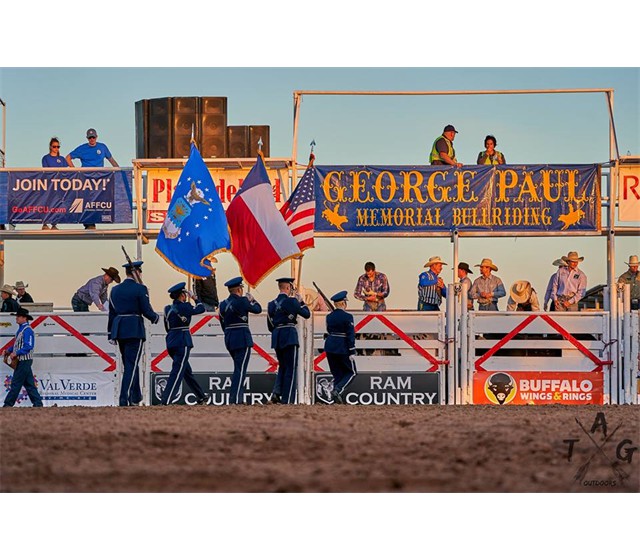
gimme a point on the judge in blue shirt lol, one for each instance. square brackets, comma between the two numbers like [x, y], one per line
[91, 154]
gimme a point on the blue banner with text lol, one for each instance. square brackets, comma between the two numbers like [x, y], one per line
[66, 197]
[353, 200]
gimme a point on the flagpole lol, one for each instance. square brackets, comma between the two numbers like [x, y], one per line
[294, 267]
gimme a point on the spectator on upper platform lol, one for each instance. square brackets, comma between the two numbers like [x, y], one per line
[9, 304]
[372, 288]
[442, 151]
[53, 159]
[491, 156]
[91, 154]
[23, 296]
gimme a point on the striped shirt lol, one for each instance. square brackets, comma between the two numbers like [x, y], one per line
[24, 343]
[428, 291]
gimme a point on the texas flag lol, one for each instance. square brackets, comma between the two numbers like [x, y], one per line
[260, 238]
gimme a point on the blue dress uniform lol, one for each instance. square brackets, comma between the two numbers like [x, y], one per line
[177, 318]
[340, 347]
[234, 318]
[128, 304]
[282, 315]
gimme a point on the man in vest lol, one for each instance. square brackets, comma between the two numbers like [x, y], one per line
[234, 319]
[431, 288]
[282, 317]
[442, 152]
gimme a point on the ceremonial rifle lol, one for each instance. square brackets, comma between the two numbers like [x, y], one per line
[325, 298]
[134, 270]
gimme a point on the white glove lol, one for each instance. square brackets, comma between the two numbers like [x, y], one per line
[113, 342]
[250, 298]
[299, 297]
[190, 294]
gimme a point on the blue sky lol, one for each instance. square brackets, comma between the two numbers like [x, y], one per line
[558, 128]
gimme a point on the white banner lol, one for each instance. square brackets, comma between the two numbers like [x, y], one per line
[160, 183]
[629, 193]
[69, 389]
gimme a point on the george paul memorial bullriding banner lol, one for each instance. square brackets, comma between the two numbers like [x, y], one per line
[369, 200]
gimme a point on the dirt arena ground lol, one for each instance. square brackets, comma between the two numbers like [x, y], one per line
[318, 449]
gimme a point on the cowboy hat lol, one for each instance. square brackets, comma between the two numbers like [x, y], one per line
[113, 272]
[489, 263]
[520, 291]
[433, 260]
[633, 260]
[22, 312]
[21, 284]
[572, 256]
[8, 289]
[559, 262]
[464, 266]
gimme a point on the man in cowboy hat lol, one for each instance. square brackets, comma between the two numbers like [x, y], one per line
[22, 350]
[569, 285]
[487, 288]
[9, 305]
[23, 296]
[463, 275]
[632, 277]
[234, 320]
[95, 291]
[522, 297]
[431, 288]
[560, 263]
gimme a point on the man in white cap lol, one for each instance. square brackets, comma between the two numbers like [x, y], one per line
[632, 277]
[431, 288]
[570, 284]
[560, 263]
[487, 288]
[522, 297]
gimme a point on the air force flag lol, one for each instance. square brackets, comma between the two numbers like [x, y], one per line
[195, 228]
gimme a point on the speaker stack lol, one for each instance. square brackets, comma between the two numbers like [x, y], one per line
[164, 127]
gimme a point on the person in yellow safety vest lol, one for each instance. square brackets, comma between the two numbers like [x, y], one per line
[491, 156]
[442, 152]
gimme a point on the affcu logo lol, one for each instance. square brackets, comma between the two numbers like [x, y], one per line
[500, 388]
[77, 206]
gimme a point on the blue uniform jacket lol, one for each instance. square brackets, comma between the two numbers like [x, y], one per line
[342, 334]
[128, 303]
[177, 318]
[282, 315]
[234, 318]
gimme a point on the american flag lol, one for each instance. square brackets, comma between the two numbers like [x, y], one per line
[299, 211]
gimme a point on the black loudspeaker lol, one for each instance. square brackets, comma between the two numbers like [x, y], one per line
[185, 122]
[257, 131]
[142, 125]
[238, 141]
[213, 127]
[159, 127]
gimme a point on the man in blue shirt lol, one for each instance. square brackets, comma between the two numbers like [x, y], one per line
[95, 291]
[91, 154]
[22, 351]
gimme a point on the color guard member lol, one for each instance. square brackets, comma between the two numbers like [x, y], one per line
[177, 318]
[340, 346]
[234, 318]
[282, 315]
[128, 304]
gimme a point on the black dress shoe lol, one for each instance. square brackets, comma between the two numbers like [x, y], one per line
[337, 398]
[275, 399]
[202, 401]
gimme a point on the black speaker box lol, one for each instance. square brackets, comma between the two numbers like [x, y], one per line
[213, 127]
[186, 121]
[238, 141]
[257, 131]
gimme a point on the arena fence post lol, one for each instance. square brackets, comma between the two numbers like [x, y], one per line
[451, 365]
[625, 344]
[462, 335]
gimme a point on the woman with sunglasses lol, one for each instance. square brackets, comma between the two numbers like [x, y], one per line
[53, 159]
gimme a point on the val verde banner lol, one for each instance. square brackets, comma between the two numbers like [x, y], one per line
[352, 200]
[66, 197]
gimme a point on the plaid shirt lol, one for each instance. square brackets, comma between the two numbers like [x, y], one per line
[379, 284]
